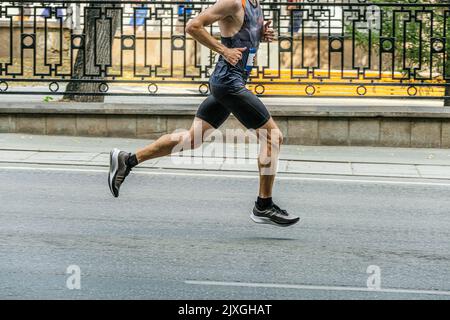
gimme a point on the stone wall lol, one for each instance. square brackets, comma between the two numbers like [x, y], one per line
[336, 126]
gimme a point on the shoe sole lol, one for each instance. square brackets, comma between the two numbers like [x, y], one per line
[262, 220]
[113, 166]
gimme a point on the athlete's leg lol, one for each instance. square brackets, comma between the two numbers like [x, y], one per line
[270, 140]
[165, 145]
[253, 114]
[210, 115]
[265, 211]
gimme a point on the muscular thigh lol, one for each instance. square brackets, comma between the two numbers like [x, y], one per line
[213, 112]
[247, 108]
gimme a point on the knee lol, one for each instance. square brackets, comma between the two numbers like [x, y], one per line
[280, 138]
[276, 137]
[191, 141]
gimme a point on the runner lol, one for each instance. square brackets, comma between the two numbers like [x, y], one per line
[242, 27]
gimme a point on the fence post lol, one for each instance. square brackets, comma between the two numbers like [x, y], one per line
[77, 20]
[447, 94]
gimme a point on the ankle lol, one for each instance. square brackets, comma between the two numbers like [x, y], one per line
[132, 160]
[264, 203]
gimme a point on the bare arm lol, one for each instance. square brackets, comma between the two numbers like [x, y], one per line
[196, 28]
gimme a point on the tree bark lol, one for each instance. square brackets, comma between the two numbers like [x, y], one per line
[96, 53]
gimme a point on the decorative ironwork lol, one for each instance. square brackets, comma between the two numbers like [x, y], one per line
[324, 47]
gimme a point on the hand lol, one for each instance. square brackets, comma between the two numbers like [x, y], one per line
[233, 55]
[268, 32]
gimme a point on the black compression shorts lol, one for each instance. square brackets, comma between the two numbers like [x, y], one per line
[243, 104]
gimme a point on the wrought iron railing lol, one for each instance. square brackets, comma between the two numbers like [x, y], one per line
[324, 48]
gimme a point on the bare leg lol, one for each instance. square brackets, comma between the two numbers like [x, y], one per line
[165, 144]
[265, 211]
[270, 139]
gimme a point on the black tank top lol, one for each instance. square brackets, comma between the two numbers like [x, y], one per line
[248, 36]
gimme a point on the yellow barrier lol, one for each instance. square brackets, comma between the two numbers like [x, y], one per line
[331, 87]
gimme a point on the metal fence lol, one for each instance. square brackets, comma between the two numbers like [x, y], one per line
[324, 48]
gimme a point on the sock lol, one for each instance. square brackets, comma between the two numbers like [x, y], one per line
[132, 161]
[264, 203]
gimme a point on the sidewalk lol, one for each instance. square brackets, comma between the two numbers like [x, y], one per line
[350, 161]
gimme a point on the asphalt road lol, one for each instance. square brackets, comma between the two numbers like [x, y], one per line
[167, 229]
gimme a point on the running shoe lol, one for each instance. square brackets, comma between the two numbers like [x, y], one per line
[118, 170]
[273, 215]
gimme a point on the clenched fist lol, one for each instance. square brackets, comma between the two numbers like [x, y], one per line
[233, 55]
[268, 32]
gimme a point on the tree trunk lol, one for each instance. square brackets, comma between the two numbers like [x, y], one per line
[96, 53]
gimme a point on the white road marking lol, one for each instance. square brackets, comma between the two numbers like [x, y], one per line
[310, 287]
[236, 176]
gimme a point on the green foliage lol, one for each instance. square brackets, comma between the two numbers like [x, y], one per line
[412, 30]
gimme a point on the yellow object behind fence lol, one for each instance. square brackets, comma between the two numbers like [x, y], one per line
[331, 86]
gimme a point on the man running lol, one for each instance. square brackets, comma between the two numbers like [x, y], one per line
[242, 27]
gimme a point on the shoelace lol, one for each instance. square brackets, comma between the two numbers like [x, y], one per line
[279, 210]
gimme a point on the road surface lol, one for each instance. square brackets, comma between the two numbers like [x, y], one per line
[187, 235]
